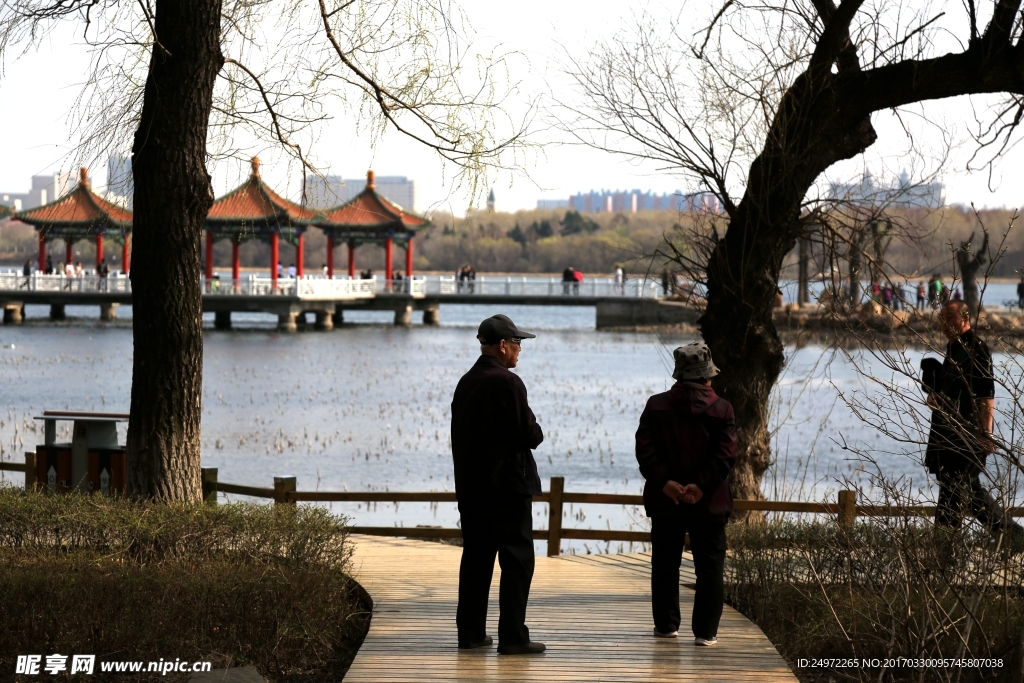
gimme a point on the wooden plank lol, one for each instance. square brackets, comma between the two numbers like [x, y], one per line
[240, 490]
[592, 611]
[13, 466]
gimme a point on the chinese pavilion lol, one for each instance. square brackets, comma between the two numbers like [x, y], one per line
[253, 210]
[370, 218]
[80, 214]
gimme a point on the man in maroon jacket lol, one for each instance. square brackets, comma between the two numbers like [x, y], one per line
[686, 445]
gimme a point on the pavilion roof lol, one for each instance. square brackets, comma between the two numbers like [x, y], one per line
[80, 211]
[254, 207]
[372, 214]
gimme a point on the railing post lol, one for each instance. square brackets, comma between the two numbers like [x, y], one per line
[30, 471]
[847, 509]
[556, 488]
[209, 475]
[282, 487]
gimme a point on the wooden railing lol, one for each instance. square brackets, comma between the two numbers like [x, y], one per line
[285, 492]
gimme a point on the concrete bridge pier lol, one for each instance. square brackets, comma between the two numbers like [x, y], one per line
[57, 312]
[324, 320]
[108, 312]
[222, 320]
[432, 316]
[403, 315]
[286, 322]
[14, 314]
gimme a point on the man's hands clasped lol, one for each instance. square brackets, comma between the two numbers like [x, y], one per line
[688, 494]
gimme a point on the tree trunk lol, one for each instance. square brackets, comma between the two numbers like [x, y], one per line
[173, 194]
[809, 134]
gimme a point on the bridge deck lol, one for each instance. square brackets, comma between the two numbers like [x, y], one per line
[592, 612]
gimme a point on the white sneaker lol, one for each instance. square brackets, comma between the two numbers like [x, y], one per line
[705, 642]
[670, 634]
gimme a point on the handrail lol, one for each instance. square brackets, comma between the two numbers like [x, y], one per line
[284, 492]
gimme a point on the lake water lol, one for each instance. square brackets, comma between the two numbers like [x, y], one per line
[366, 407]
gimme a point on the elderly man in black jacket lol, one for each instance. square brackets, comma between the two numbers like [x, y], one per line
[686, 446]
[493, 433]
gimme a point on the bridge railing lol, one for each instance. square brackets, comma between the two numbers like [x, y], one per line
[89, 284]
[536, 286]
[307, 288]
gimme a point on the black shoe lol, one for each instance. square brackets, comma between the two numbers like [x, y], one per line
[531, 648]
[487, 641]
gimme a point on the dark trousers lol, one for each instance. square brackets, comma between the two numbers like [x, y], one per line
[707, 541]
[502, 527]
[963, 488]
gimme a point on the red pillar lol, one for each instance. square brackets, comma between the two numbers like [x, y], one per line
[273, 258]
[99, 249]
[42, 253]
[126, 254]
[408, 258]
[389, 253]
[300, 252]
[330, 257]
[234, 260]
[352, 259]
[209, 254]
[67, 251]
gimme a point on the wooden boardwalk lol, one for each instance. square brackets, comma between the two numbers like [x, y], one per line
[593, 612]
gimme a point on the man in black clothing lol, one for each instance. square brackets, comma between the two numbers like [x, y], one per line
[493, 433]
[686, 447]
[962, 400]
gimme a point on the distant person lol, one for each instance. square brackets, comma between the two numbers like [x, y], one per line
[471, 278]
[620, 280]
[577, 278]
[493, 434]
[961, 394]
[901, 297]
[957, 296]
[49, 265]
[366, 274]
[280, 271]
[102, 271]
[686, 447]
[887, 296]
[567, 279]
[944, 295]
[69, 269]
[292, 272]
[1020, 294]
[922, 295]
[938, 289]
[79, 271]
[876, 292]
[325, 270]
[26, 271]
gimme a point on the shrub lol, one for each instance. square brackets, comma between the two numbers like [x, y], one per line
[231, 584]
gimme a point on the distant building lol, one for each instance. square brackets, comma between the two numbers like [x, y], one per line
[45, 189]
[120, 184]
[633, 201]
[333, 190]
[901, 192]
[552, 204]
[490, 200]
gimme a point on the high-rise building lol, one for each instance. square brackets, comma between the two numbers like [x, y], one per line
[901, 192]
[45, 189]
[120, 184]
[332, 190]
[552, 204]
[633, 201]
[490, 200]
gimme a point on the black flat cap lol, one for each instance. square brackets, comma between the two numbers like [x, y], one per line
[499, 327]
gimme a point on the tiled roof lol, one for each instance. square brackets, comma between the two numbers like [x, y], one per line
[371, 211]
[81, 209]
[255, 203]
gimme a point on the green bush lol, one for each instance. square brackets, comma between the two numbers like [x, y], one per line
[232, 584]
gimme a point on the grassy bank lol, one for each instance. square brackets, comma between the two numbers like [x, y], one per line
[880, 591]
[233, 585]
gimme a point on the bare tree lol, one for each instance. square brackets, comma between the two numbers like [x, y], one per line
[177, 76]
[758, 104]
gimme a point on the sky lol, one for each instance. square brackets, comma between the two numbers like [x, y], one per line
[38, 90]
